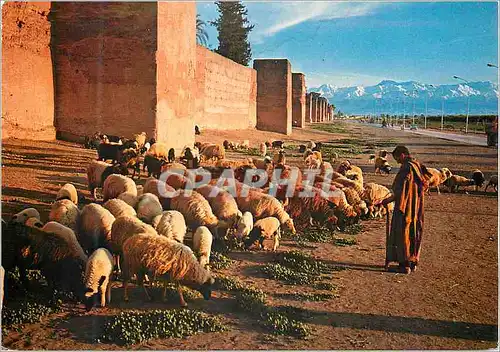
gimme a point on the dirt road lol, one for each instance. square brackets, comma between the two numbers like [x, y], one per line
[449, 303]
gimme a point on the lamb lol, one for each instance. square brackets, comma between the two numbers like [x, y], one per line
[170, 224]
[436, 177]
[158, 150]
[213, 151]
[24, 215]
[455, 181]
[381, 164]
[168, 260]
[493, 182]
[97, 173]
[94, 227]
[98, 278]
[244, 225]
[68, 191]
[148, 206]
[478, 178]
[66, 213]
[263, 149]
[264, 205]
[374, 192]
[116, 185]
[118, 207]
[222, 203]
[269, 227]
[202, 243]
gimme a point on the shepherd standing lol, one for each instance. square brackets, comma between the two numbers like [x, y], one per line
[405, 236]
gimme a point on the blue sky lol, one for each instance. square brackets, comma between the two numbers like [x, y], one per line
[362, 43]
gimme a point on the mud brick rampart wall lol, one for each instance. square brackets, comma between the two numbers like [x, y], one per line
[226, 92]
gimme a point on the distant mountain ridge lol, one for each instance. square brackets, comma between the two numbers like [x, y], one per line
[388, 97]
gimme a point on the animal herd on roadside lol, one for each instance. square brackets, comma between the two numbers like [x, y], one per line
[135, 230]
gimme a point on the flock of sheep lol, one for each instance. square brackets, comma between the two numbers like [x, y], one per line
[167, 227]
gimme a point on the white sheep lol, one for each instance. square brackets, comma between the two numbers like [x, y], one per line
[117, 184]
[118, 208]
[170, 224]
[244, 225]
[65, 212]
[266, 228]
[94, 227]
[148, 206]
[68, 191]
[168, 260]
[202, 243]
[98, 277]
[24, 215]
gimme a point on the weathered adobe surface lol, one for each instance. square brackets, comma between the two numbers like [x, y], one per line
[27, 85]
[274, 95]
[298, 100]
[226, 92]
[105, 68]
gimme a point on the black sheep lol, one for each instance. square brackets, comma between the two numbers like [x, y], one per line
[111, 152]
[196, 130]
[302, 148]
[171, 155]
[278, 144]
[318, 146]
[153, 165]
[478, 178]
[191, 161]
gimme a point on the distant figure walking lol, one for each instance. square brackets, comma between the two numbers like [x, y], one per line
[405, 236]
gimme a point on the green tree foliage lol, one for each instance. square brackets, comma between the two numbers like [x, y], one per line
[201, 33]
[233, 27]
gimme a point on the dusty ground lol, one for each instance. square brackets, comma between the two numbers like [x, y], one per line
[449, 303]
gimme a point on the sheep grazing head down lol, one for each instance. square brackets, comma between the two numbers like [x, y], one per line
[92, 298]
[206, 288]
[289, 224]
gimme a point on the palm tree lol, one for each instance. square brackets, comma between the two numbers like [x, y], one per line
[201, 33]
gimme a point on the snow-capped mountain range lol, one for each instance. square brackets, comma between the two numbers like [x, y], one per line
[390, 97]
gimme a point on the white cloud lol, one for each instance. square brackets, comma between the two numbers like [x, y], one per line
[272, 17]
